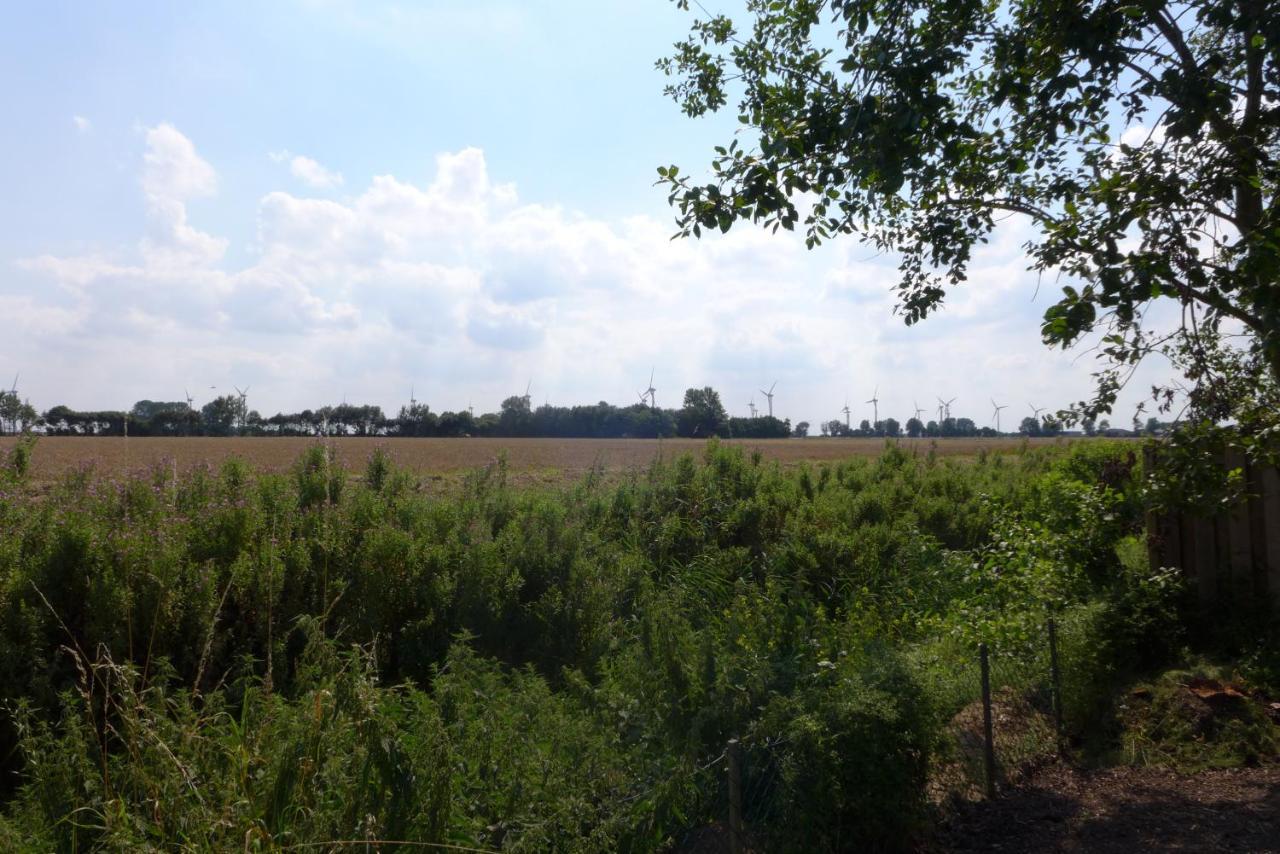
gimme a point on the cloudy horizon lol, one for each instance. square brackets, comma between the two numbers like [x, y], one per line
[317, 260]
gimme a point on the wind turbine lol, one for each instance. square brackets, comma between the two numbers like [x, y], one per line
[847, 425]
[652, 392]
[769, 395]
[413, 401]
[1036, 410]
[875, 408]
[528, 386]
[918, 410]
[997, 408]
[942, 405]
[244, 407]
[751, 407]
[946, 406]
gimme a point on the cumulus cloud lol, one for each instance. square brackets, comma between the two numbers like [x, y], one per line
[173, 174]
[308, 170]
[457, 285]
[313, 174]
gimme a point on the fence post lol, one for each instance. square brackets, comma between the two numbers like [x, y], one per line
[1055, 677]
[988, 740]
[734, 752]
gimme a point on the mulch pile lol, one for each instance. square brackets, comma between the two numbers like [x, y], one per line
[1062, 808]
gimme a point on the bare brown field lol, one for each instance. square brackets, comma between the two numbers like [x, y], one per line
[532, 459]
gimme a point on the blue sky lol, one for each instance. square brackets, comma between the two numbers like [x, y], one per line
[325, 198]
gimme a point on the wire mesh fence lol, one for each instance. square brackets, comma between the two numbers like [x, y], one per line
[1005, 710]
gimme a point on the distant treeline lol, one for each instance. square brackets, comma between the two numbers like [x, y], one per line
[702, 415]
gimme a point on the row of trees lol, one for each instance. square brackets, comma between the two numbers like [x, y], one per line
[703, 414]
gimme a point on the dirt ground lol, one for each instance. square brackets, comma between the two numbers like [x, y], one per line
[543, 458]
[1123, 810]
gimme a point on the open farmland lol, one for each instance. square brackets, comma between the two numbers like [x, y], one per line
[535, 459]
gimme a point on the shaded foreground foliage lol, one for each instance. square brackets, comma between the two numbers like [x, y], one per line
[229, 659]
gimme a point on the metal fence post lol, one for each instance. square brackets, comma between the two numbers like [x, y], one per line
[734, 752]
[988, 743]
[1055, 676]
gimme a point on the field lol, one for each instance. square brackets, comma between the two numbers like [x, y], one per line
[530, 459]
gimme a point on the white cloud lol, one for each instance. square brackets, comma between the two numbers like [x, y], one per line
[458, 286]
[307, 170]
[172, 174]
[172, 170]
[82, 124]
[313, 174]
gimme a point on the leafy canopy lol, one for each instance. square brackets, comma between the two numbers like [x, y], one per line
[919, 124]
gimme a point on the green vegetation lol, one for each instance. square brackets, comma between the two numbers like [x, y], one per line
[228, 659]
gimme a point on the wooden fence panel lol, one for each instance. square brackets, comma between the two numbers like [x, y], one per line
[1233, 556]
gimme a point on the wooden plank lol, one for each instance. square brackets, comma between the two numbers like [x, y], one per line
[1257, 533]
[1222, 559]
[1270, 479]
[1203, 542]
[1171, 542]
[1157, 524]
[1238, 545]
[1187, 548]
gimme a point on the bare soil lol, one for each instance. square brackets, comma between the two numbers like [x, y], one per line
[542, 459]
[1061, 808]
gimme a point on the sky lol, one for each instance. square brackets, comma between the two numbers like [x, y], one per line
[356, 199]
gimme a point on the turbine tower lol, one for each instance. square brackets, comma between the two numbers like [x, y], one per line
[769, 394]
[751, 407]
[244, 406]
[847, 425]
[1036, 410]
[918, 411]
[186, 421]
[946, 407]
[942, 405]
[875, 408]
[996, 411]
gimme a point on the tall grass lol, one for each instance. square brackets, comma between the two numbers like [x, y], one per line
[228, 658]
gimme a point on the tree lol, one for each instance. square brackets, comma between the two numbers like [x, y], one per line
[914, 428]
[917, 126]
[801, 430]
[1030, 426]
[703, 414]
[890, 427]
[221, 415]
